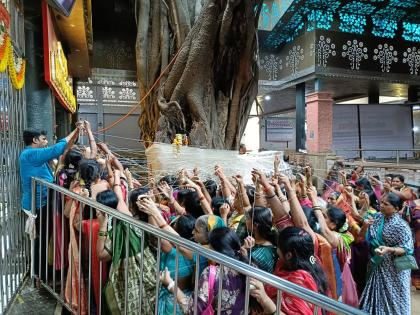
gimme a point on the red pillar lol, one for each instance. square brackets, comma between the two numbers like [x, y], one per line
[319, 117]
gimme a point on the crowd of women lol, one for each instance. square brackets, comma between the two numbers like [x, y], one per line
[353, 241]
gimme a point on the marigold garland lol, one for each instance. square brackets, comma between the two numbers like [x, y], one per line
[16, 66]
[4, 51]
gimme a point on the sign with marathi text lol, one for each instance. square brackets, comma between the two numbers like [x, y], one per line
[55, 64]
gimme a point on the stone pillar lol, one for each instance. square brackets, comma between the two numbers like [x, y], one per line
[300, 117]
[319, 116]
[39, 100]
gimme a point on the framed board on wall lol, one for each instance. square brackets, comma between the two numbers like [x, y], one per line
[279, 129]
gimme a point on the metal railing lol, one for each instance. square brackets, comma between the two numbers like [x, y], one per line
[320, 301]
[360, 153]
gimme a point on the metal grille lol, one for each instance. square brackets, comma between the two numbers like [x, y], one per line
[139, 279]
[14, 247]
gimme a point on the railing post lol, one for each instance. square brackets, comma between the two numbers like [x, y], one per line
[157, 275]
[398, 156]
[33, 210]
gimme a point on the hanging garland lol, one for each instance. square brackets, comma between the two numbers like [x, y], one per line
[15, 65]
[4, 51]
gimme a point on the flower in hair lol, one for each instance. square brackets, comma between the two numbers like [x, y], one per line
[344, 228]
[312, 259]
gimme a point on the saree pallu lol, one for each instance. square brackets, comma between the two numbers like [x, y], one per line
[324, 253]
[290, 304]
[342, 257]
[114, 293]
[360, 258]
[415, 274]
[95, 270]
[73, 286]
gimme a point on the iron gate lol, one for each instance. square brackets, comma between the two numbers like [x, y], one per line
[14, 246]
[106, 97]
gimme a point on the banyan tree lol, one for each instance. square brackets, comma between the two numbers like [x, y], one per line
[211, 47]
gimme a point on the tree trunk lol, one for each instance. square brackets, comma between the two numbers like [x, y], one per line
[210, 88]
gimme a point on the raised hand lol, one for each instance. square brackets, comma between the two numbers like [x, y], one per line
[191, 184]
[196, 172]
[258, 292]
[284, 179]
[86, 125]
[312, 193]
[102, 217]
[147, 206]
[239, 179]
[166, 190]
[224, 210]
[165, 277]
[103, 147]
[276, 163]
[249, 242]
[84, 193]
[261, 178]
[218, 171]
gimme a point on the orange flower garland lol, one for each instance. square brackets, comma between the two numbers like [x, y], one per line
[16, 70]
[16, 66]
[4, 51]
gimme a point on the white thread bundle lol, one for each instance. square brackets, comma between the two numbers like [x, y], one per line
[169, 159]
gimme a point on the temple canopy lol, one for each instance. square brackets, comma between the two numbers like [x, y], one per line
[392, 19]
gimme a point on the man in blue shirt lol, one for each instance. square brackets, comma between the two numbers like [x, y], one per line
[33, 162]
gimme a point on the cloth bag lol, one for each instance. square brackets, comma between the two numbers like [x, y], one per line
[406, 262]
[30, 226]
[212, 279]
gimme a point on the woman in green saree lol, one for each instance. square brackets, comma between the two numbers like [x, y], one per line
[112, 246]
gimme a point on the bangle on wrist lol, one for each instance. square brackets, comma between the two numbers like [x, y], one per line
[116, 185]
[171, 285]
[102, 233]
[270, 197]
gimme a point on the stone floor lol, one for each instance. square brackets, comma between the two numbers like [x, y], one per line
[40, 302]
[415, 301]
[32, 301]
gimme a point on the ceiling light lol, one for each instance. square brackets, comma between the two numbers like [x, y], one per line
[267, 97]
[415, 129]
